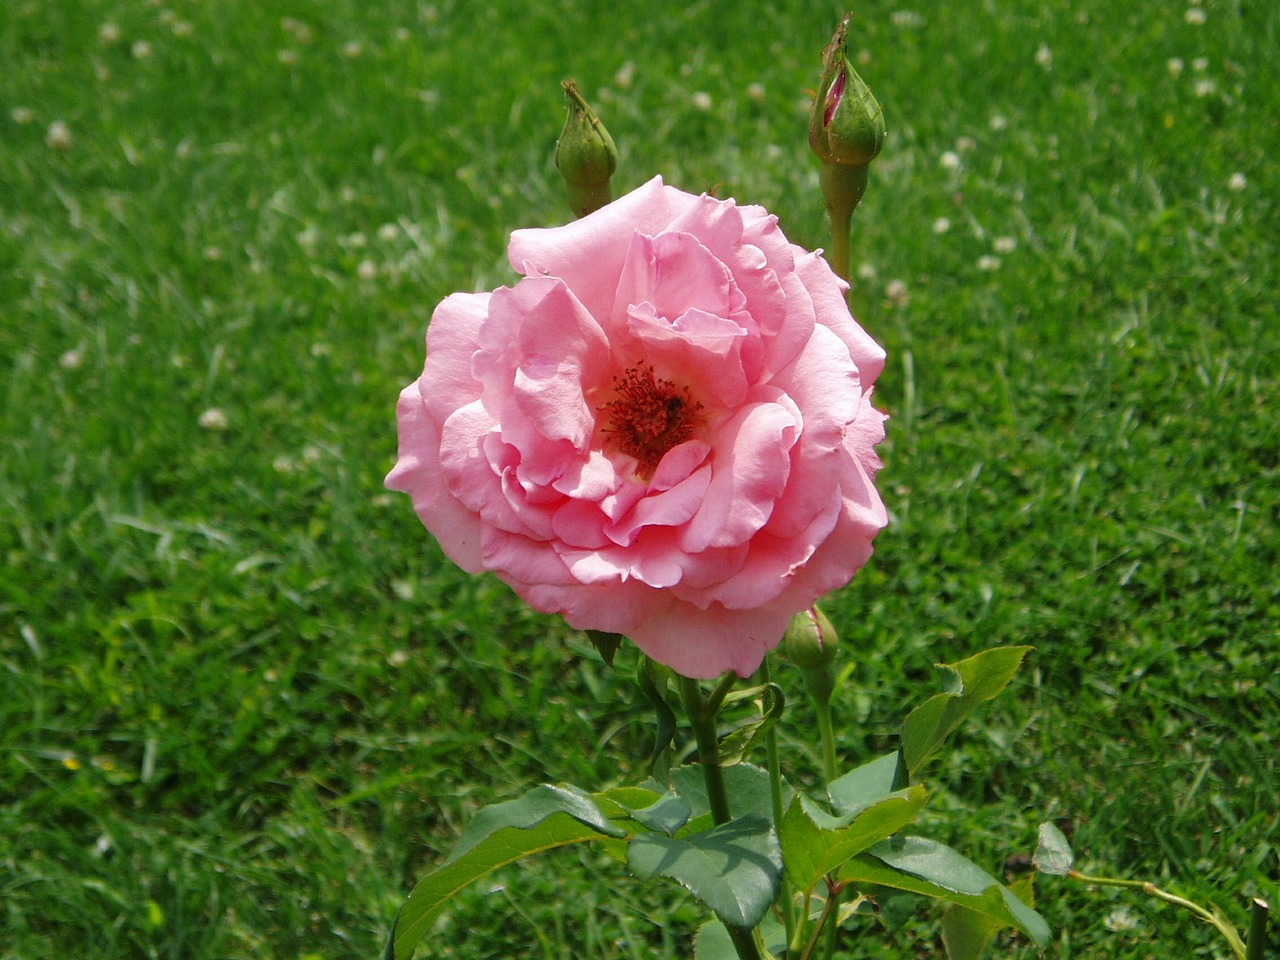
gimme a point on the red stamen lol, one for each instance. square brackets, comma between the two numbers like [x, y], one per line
[648, 416]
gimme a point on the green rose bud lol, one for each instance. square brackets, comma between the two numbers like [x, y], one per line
[585, 155]
[846, 125]
[846, 131]
[811, 643]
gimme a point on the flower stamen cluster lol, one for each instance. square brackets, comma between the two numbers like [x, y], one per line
[648, 416]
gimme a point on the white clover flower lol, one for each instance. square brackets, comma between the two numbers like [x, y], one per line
[897, 292]
[756, 92]
[1200, 64]
[388, 232]
[109, 32]
[1205, 88]
[702, 100]
[59, 136]
[941, 225]
[987, 263]
[352, 49]
[1194, 16]
[866, 271]
[906, 18]
[72, 359]
[1237, 182]
[141, 49]
[998, 122]
[287, 57]
[1004, 244]
[1044, 56]
[367, 270]
[182, 28]
[950, 160]
[966, 144]
[1120, 920]
[625, 76]
[22, 114]
[214, 419]
[1175, 66]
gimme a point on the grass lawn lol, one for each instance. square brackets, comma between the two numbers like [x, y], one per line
[245, 701]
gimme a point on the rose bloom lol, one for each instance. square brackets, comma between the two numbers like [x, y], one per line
[664, 429]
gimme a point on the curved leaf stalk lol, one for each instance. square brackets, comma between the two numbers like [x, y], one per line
[828, 922]
[1211, 917]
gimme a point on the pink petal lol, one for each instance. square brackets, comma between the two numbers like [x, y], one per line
[451, 340]
[828, 295]
[589, 252]
[563, 355]
[418, 473]
[707, 643]
[670, 508]
[580, 524]
[697, 349]
[615, 607]
[520, 560]
[675, 273]
[750, 464]
[678, 462]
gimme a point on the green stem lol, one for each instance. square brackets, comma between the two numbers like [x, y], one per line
[1257, 947]
[775, 798]
[827, 732]
[1151, 890]
[703, 722]
[824, 925]
[704, 731]
[842, 186]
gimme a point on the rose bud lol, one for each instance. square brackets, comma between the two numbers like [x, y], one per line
[846, 125]
[585, 155]
[811, 643]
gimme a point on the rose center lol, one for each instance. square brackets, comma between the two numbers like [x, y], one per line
[649, 416]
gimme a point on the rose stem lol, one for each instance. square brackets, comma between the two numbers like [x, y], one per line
[703, 722]
[775, 797]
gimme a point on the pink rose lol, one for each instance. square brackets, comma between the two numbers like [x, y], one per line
[663, 430]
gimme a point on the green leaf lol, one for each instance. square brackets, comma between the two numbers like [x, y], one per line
[966, 933]
[743, 740]
[606, 644]
[973, 682]
[814, 844]
[748, 788]
[712, 941]
[543, 819]
[1053, 853]
[734, 868]
[868, 784]
[932, 869]
[666, 813]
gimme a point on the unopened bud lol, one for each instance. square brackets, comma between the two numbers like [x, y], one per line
[846, 125]
[811, 644]
[585, 155]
